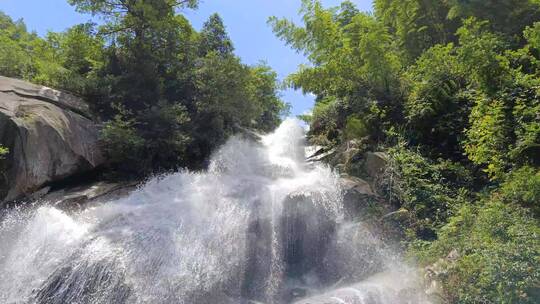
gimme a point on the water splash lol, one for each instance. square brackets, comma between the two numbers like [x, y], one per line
[259, 225]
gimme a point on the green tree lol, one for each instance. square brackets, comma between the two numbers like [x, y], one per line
[508, 17]
[146, 34]
[222, 89]
[418, 24]
[151, 49]
[532, 34]
[481, 52]
[16, 49]
[354, 66]
[131, 15]
[345, 57]
[77, 56]
[214, 38]
[264, 87]
[437, 106]
[70, 60]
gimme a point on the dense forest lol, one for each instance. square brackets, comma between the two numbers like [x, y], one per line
[167, 94]
[451, 90]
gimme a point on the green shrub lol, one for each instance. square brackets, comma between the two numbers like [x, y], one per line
[430, 191]
[122, 144]
[355, 128]
[480, 52]
[526, 123]
[436, 108]
[165, 152]
[505, 129]
[489, 138]
[3, 152]
[522, 187]
[499, 254]
[324, 121]
[532, 34]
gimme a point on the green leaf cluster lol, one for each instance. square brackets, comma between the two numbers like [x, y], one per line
[3, 152]
[167, 94]
[450, 90]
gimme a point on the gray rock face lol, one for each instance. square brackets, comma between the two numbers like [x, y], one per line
[306, 232]
[358, 196]
[49, 135]
[375, 163]
[78, 197]
[33, 91]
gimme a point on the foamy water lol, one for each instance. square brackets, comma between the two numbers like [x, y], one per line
[260, 224]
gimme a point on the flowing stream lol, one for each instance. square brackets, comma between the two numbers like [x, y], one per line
[261, 225]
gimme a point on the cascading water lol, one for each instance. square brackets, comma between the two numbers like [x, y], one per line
[260, 225]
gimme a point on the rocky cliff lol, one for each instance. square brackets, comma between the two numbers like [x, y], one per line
[50, 136]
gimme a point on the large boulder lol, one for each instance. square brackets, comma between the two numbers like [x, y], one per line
[296, 241]
[375, 163]
[50, 137]
[358, 196]
[307, 229]
[80, 196]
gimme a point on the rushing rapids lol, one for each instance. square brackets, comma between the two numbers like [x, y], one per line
[259, 226]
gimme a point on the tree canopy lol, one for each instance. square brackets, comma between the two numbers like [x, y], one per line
[449, 89]
[167, 94]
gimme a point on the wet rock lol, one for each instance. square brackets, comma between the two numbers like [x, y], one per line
[40, 193]
[85, 281]
[314, 151]
[259, 254]
[247, 133]
[435, 272]
[346, 154]
[307, 229]
[49, 135]
[295, 294]
[322, 154]
[297, 240]
[80, 196]
[358, 196]
[375, 163]
[355, 253]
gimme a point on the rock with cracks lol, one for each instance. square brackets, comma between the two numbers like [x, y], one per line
[49, 134]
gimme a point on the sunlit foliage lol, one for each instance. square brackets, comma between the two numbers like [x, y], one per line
[450, 89]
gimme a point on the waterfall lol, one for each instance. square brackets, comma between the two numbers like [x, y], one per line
[259, 226]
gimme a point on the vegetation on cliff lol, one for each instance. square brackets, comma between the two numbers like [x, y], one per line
[450, 89]
[167, 94]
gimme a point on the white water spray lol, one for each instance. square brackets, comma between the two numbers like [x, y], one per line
[261, 225]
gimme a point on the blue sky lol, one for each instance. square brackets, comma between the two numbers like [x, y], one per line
[245, 21]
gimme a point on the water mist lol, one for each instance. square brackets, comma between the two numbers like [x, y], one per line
[259, 226]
